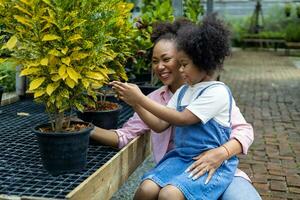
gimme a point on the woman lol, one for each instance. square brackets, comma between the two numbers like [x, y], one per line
[166, 67]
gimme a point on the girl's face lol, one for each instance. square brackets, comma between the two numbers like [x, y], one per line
[165, 64]
[189, 71]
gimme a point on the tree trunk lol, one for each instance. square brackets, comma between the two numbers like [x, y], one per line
[59, 119]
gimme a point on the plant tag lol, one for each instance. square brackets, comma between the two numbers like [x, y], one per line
[23, 114]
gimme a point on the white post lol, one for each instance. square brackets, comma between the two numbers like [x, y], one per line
[20, 83]
[209, 6]
[178, 8]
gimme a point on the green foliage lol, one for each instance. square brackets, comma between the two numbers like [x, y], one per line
[8, 75]
[266, 35]
[239, 27]
[68, 47]
[154, 11]
[288, 9]
[275, 24]
[293, 32]
[192, 9]
[298, 10]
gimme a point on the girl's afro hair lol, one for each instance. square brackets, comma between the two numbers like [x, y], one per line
[207, 45]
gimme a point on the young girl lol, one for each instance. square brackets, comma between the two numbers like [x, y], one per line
[200, 112]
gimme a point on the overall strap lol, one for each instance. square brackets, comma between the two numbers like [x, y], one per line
[181, 94]
[230, 97]
[230, 103]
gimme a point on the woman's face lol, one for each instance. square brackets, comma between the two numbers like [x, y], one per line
[165, 64]
[189, 71]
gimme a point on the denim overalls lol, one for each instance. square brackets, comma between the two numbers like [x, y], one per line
[190, 141]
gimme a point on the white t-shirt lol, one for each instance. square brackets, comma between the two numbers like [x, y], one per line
[213, 103]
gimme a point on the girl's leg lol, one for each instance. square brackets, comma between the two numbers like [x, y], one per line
[240, 189]
[148, 190]
[170, 192]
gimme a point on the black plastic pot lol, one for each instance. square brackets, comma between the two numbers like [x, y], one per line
[63, 152]
[147, 89]
[1, 92]
[107, 119]
[144, 77]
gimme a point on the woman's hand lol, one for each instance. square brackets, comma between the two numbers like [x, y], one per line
[209, 161]
[128, 92]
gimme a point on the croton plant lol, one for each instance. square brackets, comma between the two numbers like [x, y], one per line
[68, 48]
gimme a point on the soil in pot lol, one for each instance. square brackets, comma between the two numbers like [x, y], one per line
[63, 152]
[105, 115]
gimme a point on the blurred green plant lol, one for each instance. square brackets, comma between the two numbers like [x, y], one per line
[298, 11]
[292, 32]
[192, 9]
[8, 75]
[275, 25]
[288, 9]
[151, 12]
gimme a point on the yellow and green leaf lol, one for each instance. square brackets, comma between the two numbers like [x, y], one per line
[50, 37]
[55, 77]
[44, 61]
[29, 71]
[51, 88]
[11, 43]
[70, 82]
[95, 75]
[66, 60]
[75, 37]
[55, 52]
[37, 82]
[73, 74]
[23, 21]
[39, 93]
[62, 70]
[22, 10]
[79, 55]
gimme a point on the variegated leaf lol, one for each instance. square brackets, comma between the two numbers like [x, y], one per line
[35, 83]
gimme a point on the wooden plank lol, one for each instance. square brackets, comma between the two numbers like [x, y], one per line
[8, 98]
[293, 44]
[102, 184]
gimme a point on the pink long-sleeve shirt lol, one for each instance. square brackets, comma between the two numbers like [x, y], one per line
[163, 142]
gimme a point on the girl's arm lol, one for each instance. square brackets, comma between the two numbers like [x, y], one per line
[132, 95]
[151, 120]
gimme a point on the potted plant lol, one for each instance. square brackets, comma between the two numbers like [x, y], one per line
[67, 49]
[287, 9]
[106, 105]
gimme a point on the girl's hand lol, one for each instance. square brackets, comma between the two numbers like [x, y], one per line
[207, 162]
[128, 92]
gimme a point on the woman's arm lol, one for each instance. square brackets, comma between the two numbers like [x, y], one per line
[106, 137]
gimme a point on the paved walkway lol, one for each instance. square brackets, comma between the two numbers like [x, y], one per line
[266, 87]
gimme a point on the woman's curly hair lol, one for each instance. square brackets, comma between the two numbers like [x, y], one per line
[167, 30]
[206, 45]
